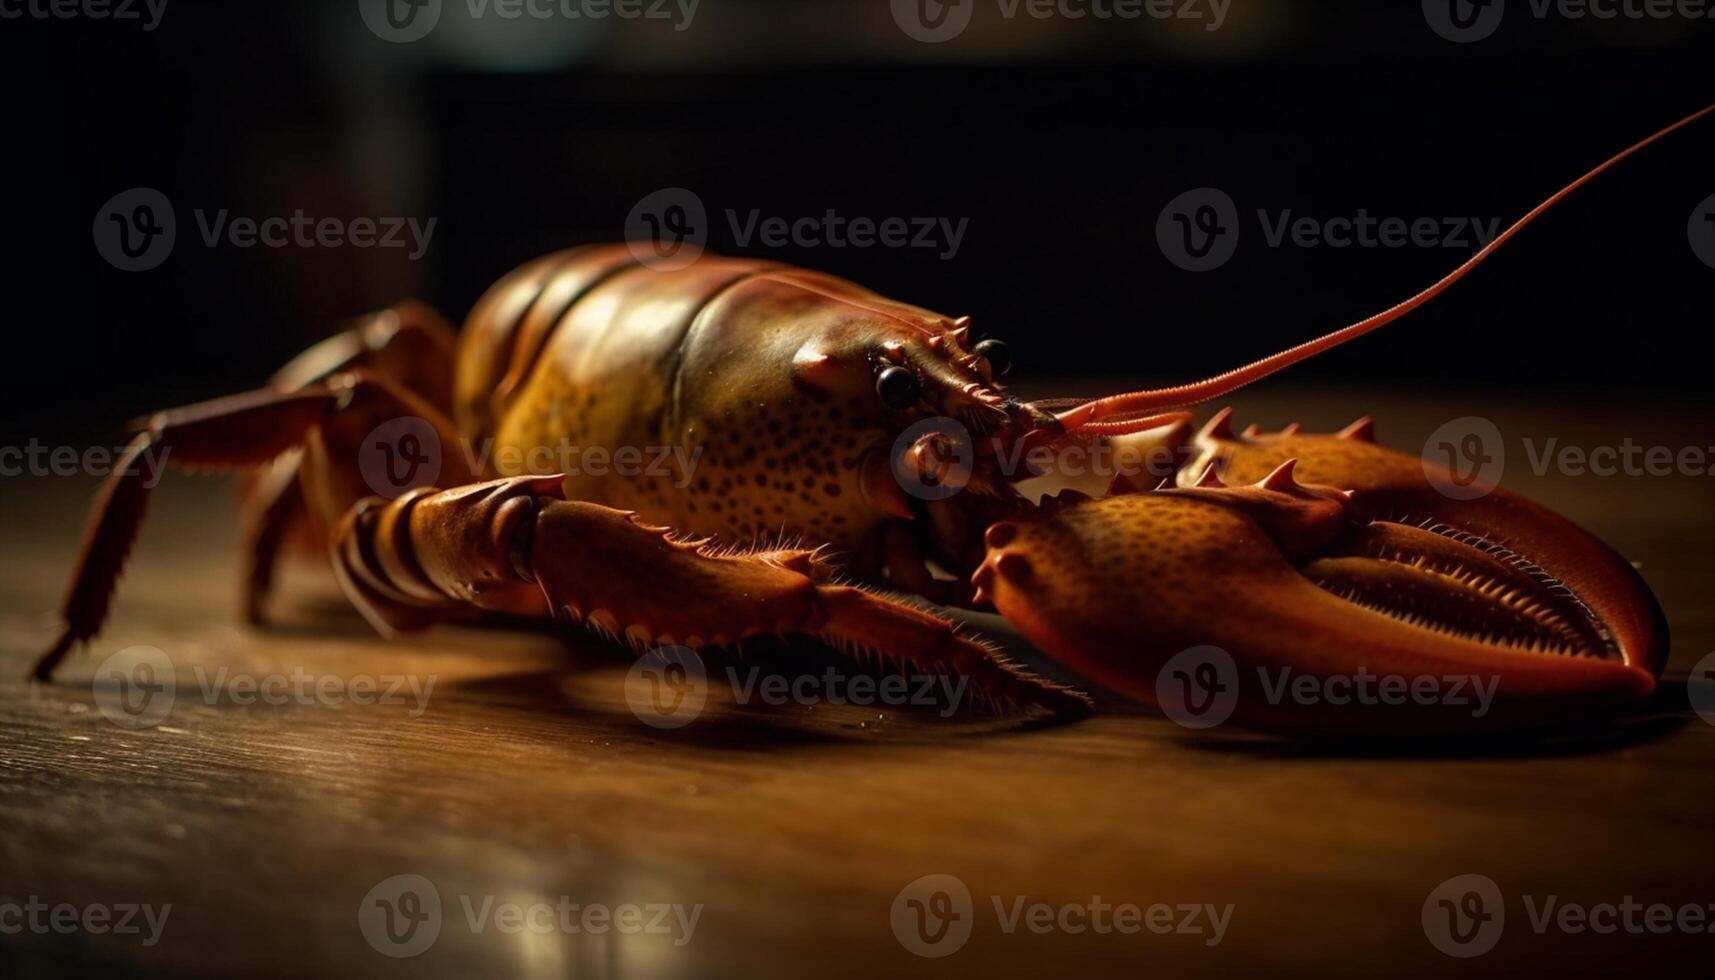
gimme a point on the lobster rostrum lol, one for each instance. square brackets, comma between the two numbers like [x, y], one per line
[820, 440]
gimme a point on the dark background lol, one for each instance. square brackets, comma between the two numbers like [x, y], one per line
[1060, 141]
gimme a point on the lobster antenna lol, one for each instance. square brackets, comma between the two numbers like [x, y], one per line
[1183, 395]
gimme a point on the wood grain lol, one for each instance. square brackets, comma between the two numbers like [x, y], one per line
[528, 779]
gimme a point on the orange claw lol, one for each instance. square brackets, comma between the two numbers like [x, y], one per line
[1382, 607]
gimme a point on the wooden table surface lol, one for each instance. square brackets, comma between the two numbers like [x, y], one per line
[527, 780]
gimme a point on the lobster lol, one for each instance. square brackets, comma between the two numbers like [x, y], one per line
[834, 448]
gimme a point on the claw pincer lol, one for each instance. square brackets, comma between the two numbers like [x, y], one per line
[1380, 607]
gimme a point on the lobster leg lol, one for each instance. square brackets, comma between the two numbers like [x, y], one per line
[233, 434]
[517, 546]
[409, 344]
[273, 510]
[412, 346]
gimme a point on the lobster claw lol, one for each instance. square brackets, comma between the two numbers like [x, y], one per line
[1380, 607]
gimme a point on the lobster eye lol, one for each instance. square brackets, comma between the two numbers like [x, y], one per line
[996, 353]
[898, 387]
